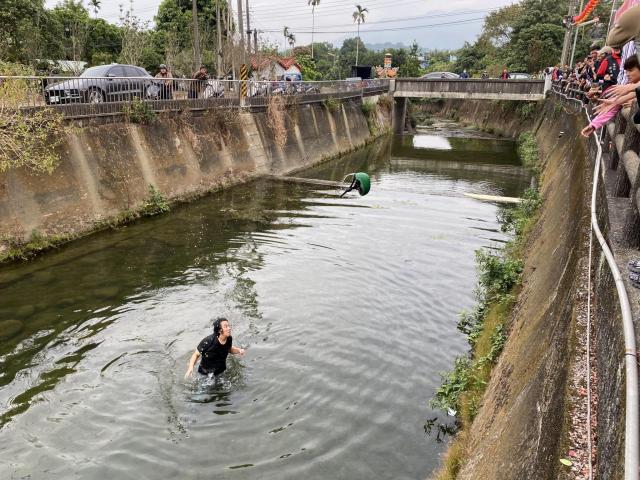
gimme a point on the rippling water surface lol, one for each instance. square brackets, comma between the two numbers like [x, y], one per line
[347, 308]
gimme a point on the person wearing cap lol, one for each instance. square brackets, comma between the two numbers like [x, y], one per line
[626, 27]
[196, 87]
[166, 86]
[607, 73]
[213, 350]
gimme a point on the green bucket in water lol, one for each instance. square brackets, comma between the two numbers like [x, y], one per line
[360, 181]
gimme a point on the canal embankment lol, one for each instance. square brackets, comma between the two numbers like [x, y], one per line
[532, 414]
[111, 172]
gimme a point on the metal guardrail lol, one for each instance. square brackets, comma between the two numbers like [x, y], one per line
[78, 97]
[632, 425]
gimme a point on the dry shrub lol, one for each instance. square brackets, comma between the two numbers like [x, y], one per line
[28, 136]
[225, 120]
[276, 113]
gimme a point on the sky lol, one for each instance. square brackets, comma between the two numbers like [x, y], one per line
[434, 24]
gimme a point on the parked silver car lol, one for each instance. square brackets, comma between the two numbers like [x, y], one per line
[441, 75]
[104, 83]
[519, 76]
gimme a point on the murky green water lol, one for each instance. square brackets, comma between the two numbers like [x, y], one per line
[347, 308]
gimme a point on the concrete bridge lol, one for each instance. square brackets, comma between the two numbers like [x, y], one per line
[462, 89]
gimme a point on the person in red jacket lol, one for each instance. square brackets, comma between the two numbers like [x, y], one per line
[505, 75]
[609, 67]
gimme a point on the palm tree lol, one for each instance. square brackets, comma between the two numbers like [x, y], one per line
[292, 41]
[96, 6]
[313, 4]
[285, 32]
[358, 16]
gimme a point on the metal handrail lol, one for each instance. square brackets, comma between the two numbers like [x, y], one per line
[77, 97]
[632, 432]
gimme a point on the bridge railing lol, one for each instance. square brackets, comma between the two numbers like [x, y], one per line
[78, 97]
[419, 86]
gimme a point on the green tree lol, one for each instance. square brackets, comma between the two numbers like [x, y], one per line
[537, 34]
[20, 21]
[75, 21]
[308, 67]
[358, 17]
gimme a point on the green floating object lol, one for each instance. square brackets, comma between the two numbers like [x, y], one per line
[566, 462]
[360, 182]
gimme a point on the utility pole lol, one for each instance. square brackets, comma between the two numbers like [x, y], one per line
[241, 30]
[255, 40]
[230, 43]
[219, 45]
[248, 29]
[575, 37]
[567, 34]
[196, 34]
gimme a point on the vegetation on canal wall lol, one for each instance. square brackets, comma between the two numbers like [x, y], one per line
[518, 428]
[486, 326]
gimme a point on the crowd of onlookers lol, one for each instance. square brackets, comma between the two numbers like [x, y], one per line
[609, 77]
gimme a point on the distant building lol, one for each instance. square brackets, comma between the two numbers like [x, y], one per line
[275, 68]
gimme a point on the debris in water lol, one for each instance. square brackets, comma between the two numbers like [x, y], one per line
[451, 412]
[566, 462]
[360, 182]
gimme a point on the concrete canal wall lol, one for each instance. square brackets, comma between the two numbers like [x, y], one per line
[108, 166]
[522, 427]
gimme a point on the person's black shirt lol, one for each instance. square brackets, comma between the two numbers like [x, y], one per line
[214, 355]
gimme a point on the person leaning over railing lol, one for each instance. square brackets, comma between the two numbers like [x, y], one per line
[196, 87]
[624, 34]
[166, 86]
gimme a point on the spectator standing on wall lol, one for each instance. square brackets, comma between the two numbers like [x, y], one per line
[166, 86]
[505, 75]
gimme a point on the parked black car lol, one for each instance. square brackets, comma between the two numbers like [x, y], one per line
[104, 83]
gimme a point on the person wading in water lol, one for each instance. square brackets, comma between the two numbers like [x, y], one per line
[213, 350]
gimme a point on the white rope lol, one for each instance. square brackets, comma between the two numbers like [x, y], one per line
[589, 433]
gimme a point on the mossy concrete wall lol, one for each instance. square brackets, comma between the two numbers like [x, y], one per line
[521, 430]
[106, 169]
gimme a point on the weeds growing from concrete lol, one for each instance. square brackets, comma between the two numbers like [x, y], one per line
[277, 123]
[486, 326]
[138, 111]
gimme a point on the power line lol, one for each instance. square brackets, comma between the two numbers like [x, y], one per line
[396, 29]
[404, 19]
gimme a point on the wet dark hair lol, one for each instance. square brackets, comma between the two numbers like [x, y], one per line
[217, 325]
[631, 63]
